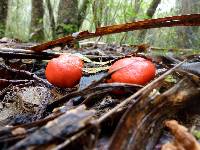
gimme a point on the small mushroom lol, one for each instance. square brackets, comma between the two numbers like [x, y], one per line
[135, 70]
[64, 71]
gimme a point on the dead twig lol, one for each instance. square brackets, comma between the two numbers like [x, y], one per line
[14, 82]
[27, 73]
[8, 53]
[184, 20]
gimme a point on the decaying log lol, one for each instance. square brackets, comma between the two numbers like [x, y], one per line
[183, 139]
[184, 20]
[144, 115]
[141, 124]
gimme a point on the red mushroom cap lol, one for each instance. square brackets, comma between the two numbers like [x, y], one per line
[136, 70]
[64, 71]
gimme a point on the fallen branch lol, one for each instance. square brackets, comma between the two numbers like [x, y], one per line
[10, 53]
[14, 53]
[184, 20]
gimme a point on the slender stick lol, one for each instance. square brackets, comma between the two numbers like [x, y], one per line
[10, 53]
[184, 20]
[29, 74]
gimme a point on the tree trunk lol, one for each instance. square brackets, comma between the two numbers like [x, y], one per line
[152, 9]
[67, 17]
[3, 16]
[136, 8]
[51, 18]
[150, 12]
[37, 32]
[97, 9]
[187, 35]
[82, 12]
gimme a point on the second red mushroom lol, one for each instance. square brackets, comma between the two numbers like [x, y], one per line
[135, 70]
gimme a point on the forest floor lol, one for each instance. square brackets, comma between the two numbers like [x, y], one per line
[35, 114]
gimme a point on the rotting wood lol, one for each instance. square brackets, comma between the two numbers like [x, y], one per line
[65, 125]
[142, 120]
[184, 20]
[8, 130]
[69, 141]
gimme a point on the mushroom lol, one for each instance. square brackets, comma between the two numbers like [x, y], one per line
[134, 70]
[64, 71]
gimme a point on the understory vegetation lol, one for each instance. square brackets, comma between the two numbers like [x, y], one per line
[44, 20]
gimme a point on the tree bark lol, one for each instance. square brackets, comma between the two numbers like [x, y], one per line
[67, 17]
[150, 12]
[3, 16]
[37, 32]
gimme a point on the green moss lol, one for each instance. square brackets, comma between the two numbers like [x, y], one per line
[196, 133]
[2, 30]
[67, 28]
[170, 79]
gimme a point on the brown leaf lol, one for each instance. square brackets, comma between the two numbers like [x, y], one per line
[183, 139]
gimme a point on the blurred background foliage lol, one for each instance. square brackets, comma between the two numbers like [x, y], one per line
[42, 20]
